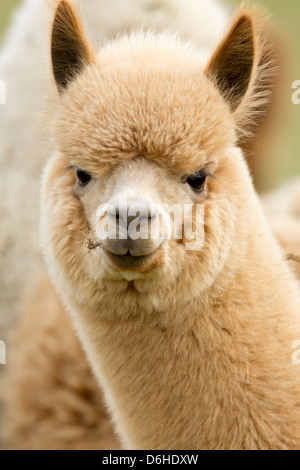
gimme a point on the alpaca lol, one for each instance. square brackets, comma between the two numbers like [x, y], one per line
[25, 144]
[192, 348]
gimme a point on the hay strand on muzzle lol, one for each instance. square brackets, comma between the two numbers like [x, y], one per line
[293, 257]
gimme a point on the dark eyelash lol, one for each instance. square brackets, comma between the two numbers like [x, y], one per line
[207, 174]
[210, 175]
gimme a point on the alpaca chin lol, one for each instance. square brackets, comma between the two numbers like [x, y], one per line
[145, 267]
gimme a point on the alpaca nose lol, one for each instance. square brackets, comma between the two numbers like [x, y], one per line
[133, 228]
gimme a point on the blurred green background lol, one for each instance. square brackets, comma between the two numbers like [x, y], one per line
[283, 150]
[6, 8]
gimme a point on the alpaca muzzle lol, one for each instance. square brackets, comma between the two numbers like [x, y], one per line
[130, 232]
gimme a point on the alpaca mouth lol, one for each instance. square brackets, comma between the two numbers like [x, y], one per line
[129, 262]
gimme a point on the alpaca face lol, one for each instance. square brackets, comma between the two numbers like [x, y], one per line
[140, 129]
[131, 172]
[159, 148]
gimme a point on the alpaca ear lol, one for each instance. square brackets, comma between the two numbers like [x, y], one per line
[243, 68]
[70, 51]
[232, 64]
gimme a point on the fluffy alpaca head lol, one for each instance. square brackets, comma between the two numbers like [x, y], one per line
[145, 123]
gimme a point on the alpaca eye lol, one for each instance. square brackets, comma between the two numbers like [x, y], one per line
[197, 181]
[83, 177]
